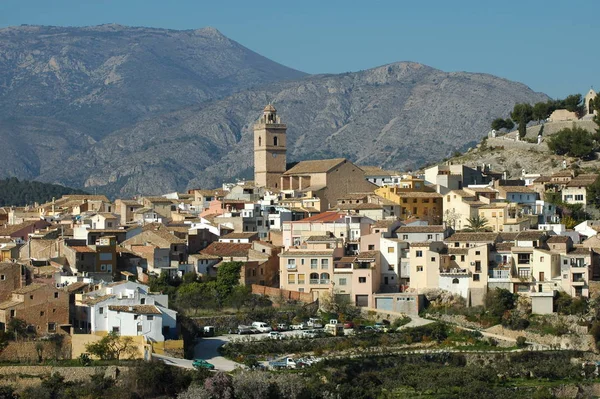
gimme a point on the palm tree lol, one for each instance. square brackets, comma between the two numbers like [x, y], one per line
[477, 224]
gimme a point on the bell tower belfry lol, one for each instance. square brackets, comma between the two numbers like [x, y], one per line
[269, 149]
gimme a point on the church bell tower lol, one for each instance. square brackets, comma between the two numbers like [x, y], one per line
[269, 149]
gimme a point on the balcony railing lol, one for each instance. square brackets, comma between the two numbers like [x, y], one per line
[503, 274]
[291, 267]
[319, 281]
[454, 271]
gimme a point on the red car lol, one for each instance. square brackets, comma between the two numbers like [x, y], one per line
[348, 324]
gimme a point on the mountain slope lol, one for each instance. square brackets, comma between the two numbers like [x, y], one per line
[397, 116]
[95, 80]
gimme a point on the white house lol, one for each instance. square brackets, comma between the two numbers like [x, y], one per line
[126, 308]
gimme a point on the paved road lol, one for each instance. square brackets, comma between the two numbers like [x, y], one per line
[174, 361]
[416, 321]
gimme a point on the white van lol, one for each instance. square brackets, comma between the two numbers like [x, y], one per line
[262, 327]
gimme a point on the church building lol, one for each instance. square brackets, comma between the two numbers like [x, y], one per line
[325, 179]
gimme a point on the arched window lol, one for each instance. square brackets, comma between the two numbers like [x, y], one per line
[259, 141]
[314, 276]
[452, 257]
[591, 107]
[324, 277]
[455, 281]
[275, 141]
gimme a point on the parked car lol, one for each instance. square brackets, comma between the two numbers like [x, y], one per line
[284, 362]
[261, 327]
[203, 364]
[276, 335]
[282, 327]
[381, 326]
[242, 329]
[299, 326]
[314, 323]
[348, 324]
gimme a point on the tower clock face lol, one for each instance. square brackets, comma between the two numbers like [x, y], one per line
[274, 155]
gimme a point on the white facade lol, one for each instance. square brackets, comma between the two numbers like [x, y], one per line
[457, 284]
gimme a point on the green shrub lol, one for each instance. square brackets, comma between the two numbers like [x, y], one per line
[521, 341]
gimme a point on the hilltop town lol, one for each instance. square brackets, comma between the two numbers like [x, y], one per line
[363, 247]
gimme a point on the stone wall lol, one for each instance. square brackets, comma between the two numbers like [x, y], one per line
[30, 351]
[22, 377]
[278, 294]
[568, 341]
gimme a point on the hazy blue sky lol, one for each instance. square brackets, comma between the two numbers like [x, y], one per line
[552, 46]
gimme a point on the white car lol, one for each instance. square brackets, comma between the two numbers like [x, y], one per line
[276, 335]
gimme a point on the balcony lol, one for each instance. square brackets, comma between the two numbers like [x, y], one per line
[578, 281]
[497, 275]
[454, 272]
[291, 267]
[316, 281]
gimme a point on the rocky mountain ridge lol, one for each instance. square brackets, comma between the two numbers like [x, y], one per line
[176, 109]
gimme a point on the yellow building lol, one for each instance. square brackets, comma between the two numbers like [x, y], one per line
[415, 200]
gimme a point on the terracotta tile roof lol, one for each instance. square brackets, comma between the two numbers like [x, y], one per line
[137, 309]
[107, 215]
[421, 229]
[530, 235]
[580, 251]
[358, 207]
[325, 238]
[482, 189]
[9, 304]
[30, 288]
[367, 255]
[355, 196]
[204, 256]
[504, 246]
[292, 254]
[458, 251]
[266, 244]
[82, 249]
[78, 285]
[472, 237]
[130, 202]
[102, 198]
[558, 239]
[226, 249]
[508, 236]
[542, 179]
[565, 173]
[315, 166]
[517, 189]
[420, 244]
[13, 228]
[158, 199]
[583, 180]
[247, 235]
[384, 223]
[419, 194]
[324, 217]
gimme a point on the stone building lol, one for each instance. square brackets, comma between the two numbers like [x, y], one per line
[269, 149]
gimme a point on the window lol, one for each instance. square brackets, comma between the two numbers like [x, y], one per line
[100, 310]
[272, 222]
[475, 277]
[477, 253]
[462, 258]
[116, 330]
[2, 277]
[51, 327]
[275, 140]
[391, 267]
[579, 197]
[342, 281]
[12, 313]
[314, 263]
[291, 263]
[430, 236]
[56, 295]
[301, 278]
[149, 317]
[371, 247]
[291, 279]
[31, 297]
[419, 254]
[405, 236]
[433, 258]
[454, 281]
[390, 250]
[419, 268]
[135, 316]
[362, 280]
[541, 258]
[142, 301]
[478, 266]
[324, 263]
